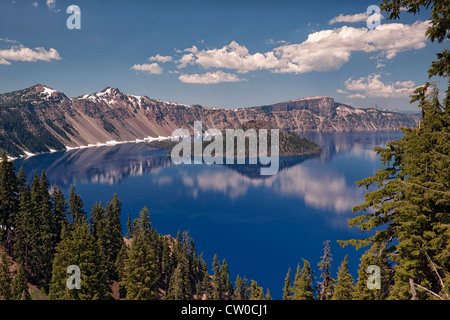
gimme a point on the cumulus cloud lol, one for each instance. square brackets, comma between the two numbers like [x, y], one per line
[209, 78]
[152, 68]
[329, 49]
[324, 50]
[22, 53]
[160, 58]
[232, 56]
[371, 86]
[351, 18]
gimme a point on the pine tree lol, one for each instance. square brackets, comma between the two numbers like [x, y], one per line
[239, 289]
[177, 288]
[257, 293]
[20, 285]
[325, 286]
[44, 251]
[5, 277]
[268, 296]
[412, 204]
[287, 290]
[113, 229]
[140, 270]
[225, 283]
[217, 283]
[129, 234]
[80, 249]
[76, 207]
[59, 205]
[247, 289]
[344, 284]
[25, 231]
[9, 201]
[120, 267]
[302, 288]
[206, 285]
[373, 256]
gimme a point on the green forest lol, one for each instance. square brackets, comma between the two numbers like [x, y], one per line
[406, 219]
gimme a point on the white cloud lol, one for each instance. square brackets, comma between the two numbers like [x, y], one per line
[232, 56]
[271, 41]
[329, 49]
[21, 53]
[152, 68]
[356, 96]
[186, 60]
[341, 91]
[51, 4]
[324, 50]
[4, 61]
[35, 4]
[351, 18]
[371, 86]
[160, 58]
[209, 78]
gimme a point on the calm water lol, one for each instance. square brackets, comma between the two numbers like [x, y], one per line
[261, 226]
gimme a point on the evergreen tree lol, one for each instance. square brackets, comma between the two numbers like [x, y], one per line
[5, 277]
[9, 201]
[120, 267]
[239, 289]
[287, 290]
[373, 256]
[247, 289]
[302, 288]
[25, 231]
[206, 285]
[325, 286]
[21, 180]
[268, 296]
[80, 249]
[177, 287]
[129, 234]
[76, 207]
[97, 222]
[59, 205]
[44, 251]
[410, 210]
[217, 283]
[140, 270]
[225, 283]
[20, 285]
[257, 293]
[114, 235]
[344, 284]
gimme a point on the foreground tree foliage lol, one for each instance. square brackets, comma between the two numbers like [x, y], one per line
[410, 208]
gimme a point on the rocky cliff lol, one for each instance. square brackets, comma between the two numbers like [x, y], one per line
[41, 119]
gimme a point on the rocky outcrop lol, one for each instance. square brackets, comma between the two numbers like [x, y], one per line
[41, 119]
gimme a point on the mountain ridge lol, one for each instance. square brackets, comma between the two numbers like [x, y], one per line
[42, 119]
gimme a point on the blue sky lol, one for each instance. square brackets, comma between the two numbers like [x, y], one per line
[216, 53]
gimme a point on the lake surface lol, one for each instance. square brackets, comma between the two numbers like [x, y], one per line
[260, 225]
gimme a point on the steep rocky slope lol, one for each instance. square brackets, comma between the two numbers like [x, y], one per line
[41, 119]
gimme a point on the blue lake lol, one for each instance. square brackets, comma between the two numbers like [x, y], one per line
[260, 225]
